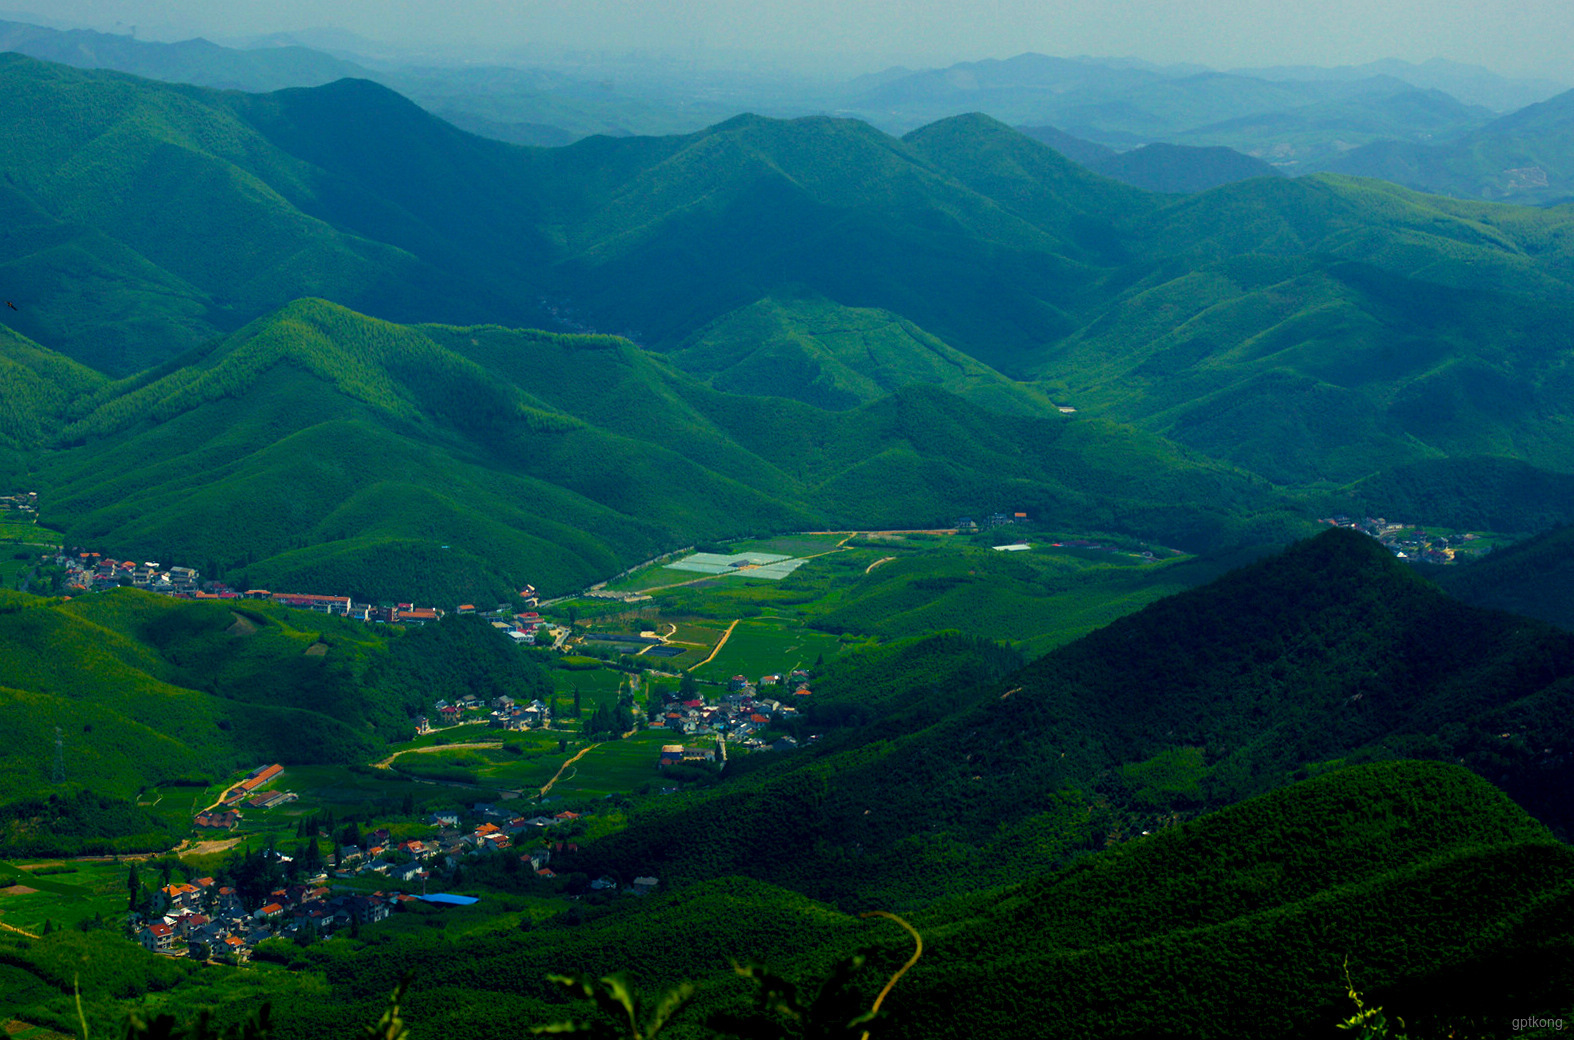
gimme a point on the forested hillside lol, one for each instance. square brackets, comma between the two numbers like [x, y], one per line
[943, 770]
[150, 690]
[1445, 904]
[318, 447]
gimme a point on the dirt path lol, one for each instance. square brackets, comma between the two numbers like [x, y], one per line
[723, 642]
[883, 559]
[583, 752]
[387, 763]
[18, 931]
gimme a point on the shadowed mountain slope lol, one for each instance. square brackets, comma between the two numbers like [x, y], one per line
[1181, 170]
[1330, 653]
[1532, 577]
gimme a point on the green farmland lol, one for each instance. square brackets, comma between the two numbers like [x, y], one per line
[64, 894]
[884, 586]
[763, 645]
[616, 766]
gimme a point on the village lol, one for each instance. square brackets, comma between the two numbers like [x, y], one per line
[92, 572]
[740, 717]
[361, 882]
[364, 880]
[1414, 543]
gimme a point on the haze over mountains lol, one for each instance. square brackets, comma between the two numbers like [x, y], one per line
[279, 315]
[1300, 119]
[1313, 334]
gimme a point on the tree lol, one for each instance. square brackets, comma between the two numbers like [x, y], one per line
[688, 686]
[576, 702]
[573, 616]
[133, 887]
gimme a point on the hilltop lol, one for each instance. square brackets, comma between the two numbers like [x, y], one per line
[1316, 332]
[1327, 654]
[469, 461]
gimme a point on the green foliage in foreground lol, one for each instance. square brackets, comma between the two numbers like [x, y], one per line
[1452, 909]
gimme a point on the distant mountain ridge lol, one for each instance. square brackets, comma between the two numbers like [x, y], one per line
[1316, 333]
[195, 61]
[1526, 156]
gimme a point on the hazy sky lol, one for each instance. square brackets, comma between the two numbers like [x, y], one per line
[1523, 37]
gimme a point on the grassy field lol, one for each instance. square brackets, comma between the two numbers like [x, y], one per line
[68, 893]
[616, 766]
[762, 645]
[178, 804]
[523, 762]
[343, 792]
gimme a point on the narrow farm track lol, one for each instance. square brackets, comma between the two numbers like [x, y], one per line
[387, 763]
[583, 751]
[720, 643]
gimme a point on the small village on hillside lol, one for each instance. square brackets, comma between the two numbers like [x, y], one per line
[367, 876]
[1415, 543]
[93, 572]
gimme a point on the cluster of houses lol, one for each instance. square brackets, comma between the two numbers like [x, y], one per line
[965, 524]
[738, 717]
[23, 502]
[92, 572]
[498, 831]
[1407, 542]
[504, 713]
[202, 919]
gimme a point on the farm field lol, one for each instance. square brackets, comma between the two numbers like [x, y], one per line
[893, 585]
[63, 893]
[617, 766]
[762, 645]
[522, 762]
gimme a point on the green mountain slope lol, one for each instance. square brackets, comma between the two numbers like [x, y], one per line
[1447, 902]
[1530, 578]
[1303, 368]
[148, 689]
[1316, 332]
[1182, 169]
[809, 349]
[134, 719]
[1326, 654]
[1526, 156]
[37, 387]
[1243, 922]
[146, 217]
[323, 448]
